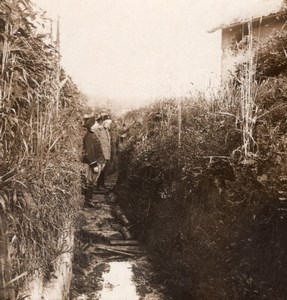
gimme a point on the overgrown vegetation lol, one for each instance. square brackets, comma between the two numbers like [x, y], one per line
[213, 209]
[39, 141]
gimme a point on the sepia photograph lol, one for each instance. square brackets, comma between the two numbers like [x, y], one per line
[143, 150]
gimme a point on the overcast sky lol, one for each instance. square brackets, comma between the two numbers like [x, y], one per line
[143, 49]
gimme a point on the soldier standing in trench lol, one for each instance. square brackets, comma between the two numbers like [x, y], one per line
[93, 157]
[105, 138]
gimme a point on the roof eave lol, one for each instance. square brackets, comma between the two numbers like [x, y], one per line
[234, 24]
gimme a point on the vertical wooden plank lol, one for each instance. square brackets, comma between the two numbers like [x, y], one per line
[6, 292]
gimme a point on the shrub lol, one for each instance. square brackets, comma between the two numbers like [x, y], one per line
[204, 208]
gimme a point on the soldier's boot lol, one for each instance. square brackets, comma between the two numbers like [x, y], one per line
[89, 197]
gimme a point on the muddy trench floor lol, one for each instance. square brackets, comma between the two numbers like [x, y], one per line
[108, 262]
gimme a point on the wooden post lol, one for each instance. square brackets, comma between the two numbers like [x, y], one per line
[6, 292]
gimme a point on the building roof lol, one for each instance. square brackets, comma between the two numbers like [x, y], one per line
[238, 22]
[257, 10]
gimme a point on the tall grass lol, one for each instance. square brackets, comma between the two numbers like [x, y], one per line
[39, 138]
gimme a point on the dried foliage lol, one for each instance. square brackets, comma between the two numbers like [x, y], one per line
[39, 140]
[214, 209]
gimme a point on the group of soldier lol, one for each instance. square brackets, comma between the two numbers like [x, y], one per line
[96, 154]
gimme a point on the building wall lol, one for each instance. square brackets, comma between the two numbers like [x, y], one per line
[232, 35]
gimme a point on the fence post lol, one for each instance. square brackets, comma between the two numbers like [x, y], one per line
[6, 292]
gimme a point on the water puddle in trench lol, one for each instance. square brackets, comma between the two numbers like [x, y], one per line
[117, 282]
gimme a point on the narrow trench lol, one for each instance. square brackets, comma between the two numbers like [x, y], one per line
[109, 264]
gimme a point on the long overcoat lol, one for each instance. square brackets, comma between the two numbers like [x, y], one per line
[92, 148]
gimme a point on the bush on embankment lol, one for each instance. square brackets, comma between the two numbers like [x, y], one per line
[39, 142]
[214, 218]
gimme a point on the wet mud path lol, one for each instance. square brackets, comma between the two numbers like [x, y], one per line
[108, 263]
